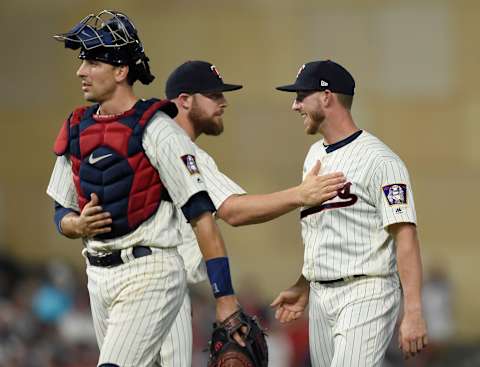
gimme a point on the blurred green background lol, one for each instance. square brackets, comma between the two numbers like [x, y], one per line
[416, 68]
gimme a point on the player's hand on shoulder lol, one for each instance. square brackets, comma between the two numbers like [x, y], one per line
[93, 220]
[316, 189]
[291, 303]
[412, 337]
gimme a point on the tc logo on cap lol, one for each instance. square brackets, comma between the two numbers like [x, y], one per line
[214, 69]
[323, 83]
[300, 70]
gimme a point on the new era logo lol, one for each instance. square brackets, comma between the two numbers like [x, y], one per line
[323, 83]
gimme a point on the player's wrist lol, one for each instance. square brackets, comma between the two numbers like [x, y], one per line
[226, 306]
[218, 270]
[230, 300]
[415, 308]
[70, 226]
[299, 198]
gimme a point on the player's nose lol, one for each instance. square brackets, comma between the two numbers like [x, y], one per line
[223, 101]
[81, 71]
[296, 105]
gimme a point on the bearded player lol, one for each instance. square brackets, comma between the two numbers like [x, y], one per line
[197, 89]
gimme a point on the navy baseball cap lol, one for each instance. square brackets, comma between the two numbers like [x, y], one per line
[322, 75]
[196, 77]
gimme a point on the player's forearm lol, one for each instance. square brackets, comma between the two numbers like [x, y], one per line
[251, 209]
[208, 236]
[213, 250]
[409, 267]
[69, 225]
[302, 282]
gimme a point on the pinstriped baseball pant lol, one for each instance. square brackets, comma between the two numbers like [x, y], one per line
[134, 305]
[177, 346]
[351, 323]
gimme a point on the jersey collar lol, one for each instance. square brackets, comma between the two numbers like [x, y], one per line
[332, 147]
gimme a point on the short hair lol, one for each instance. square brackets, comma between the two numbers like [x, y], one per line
[345, 100]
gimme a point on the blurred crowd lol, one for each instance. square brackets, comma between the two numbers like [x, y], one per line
[45, 321]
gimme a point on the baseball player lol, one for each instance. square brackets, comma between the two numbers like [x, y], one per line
[125, 174]
[361, 247]
[197, 89]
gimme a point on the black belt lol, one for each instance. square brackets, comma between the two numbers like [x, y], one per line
[346, 279]
[114, 258]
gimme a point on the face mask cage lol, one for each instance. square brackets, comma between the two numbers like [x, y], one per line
[106, 29]
[110, 37]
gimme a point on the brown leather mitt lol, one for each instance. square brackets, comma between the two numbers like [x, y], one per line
[225, 351]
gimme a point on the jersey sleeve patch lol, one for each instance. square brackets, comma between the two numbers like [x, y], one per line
[190, 163]
[396, 194]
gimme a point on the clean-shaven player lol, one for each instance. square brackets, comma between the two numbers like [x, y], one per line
[124, 179]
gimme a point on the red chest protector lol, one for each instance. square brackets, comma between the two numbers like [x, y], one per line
[108, 159]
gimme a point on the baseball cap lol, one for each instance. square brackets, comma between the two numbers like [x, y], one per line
[322, 75]
[196, 77]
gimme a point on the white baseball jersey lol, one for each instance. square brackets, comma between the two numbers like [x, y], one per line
[165, 144]
[177, 347]
[219, 188]
[135, 304]
[348, 235]
[352, 321]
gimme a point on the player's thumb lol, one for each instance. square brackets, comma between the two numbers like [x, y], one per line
[315, 169]
[94, 198]
[277, 301]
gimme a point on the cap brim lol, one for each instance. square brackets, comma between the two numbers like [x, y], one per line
[295, 88]
[288, 88]
[219, 89]
[171, 94]
[228, 88]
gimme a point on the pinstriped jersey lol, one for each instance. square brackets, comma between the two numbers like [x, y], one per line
[172, 153]
[219, 187]
[348, 235]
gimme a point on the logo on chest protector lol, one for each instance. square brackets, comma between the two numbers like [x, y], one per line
[92, 160]
[344, 193]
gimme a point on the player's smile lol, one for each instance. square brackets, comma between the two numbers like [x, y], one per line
[304, 115]
[307, 105]
[307, 119]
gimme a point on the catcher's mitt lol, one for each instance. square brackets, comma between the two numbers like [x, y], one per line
[225, 351]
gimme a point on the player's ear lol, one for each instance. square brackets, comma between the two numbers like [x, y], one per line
[184, 101]
[121, 73]
[326, 97]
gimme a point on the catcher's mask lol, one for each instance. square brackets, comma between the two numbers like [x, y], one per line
[110, 37]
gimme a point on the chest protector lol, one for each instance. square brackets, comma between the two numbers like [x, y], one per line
[108, 159]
